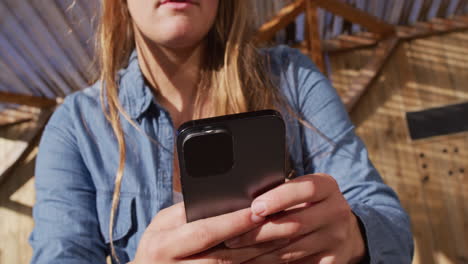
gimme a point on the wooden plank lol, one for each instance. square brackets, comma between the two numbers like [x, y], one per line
[16, 142]
[345, 43]
[313, 37]
[8, 120]
[430, 60]
[411, 161]
[15, 115]
[359, 39]
[432, 183]
[380, 123]
[35, 101]
[370, 72]
[456, 186]
[17, 196]
[357, 16]
[285, 16]
[435, 27]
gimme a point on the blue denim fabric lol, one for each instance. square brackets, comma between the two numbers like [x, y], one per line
[78, 159]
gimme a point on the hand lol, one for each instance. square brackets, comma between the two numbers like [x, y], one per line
[311, 211]
[169, 239]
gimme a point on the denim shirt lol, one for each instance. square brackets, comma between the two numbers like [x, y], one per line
[78, 159]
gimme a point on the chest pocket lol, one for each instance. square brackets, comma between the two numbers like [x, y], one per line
[123, 224]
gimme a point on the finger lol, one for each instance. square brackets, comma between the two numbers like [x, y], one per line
[300, 248]
[168, 218]
[305, 189]
[240, 255]
[293, 223]
[206, 233]
[323, 257]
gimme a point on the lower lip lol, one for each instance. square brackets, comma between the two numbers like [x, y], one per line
[177, 5]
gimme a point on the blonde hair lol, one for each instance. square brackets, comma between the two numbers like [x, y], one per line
[234, 72]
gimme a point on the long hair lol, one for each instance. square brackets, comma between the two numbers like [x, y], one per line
[234, 73]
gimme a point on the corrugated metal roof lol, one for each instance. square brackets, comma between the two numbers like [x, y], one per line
[45, 46]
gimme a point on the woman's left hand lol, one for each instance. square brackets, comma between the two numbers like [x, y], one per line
[311, 212]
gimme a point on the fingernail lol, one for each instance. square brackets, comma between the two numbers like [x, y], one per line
[257, 219]
[232, 242]
[259, 208]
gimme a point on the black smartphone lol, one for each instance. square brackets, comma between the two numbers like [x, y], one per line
[227, 161]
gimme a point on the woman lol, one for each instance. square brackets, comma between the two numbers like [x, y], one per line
[165, 62]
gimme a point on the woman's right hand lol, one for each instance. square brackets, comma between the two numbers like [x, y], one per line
[169, 239]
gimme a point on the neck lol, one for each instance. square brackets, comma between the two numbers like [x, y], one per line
[173, 74]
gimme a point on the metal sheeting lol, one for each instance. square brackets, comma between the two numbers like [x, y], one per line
[45, 46]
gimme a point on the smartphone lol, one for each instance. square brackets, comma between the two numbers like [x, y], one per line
[227, 161]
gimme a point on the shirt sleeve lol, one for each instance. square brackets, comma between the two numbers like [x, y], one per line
[332, 147]
[66, 227]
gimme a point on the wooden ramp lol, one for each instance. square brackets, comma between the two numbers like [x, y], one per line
[430, 175]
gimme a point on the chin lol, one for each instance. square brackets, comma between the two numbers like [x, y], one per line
[179, 43]
[177, 38]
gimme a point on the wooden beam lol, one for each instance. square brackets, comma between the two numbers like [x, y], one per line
[434, 27]
[16, 115]
[370, 72]
[313, 40]
[357, 16]
[285, 16]
[341, 44]
[359, 40]
[26, 142]
[8, 120]
[35, 101]
[344, 43]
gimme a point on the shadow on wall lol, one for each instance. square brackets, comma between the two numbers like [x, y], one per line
[15, 181]
[430, 175]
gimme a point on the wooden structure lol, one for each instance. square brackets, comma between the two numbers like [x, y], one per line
[429, 175]
[380, 74]
[381, 34]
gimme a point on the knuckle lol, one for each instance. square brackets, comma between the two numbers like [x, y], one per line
[202, 235]
[333, 182]
[271, 198]
[339, 235]
[310, 185]
[289, 256]
[343, 212]
[329, 179]
[328, 260]
[284, 256]
[224, 259]
[161, 215]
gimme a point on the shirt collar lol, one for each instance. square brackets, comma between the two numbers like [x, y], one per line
[134, 94]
